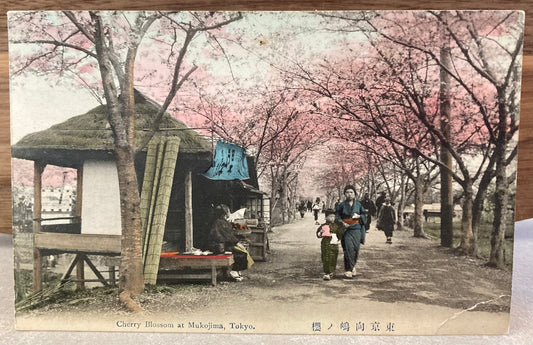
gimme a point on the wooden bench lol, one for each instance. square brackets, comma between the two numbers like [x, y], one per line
[434, 214]
[47, 243]
[173, 262]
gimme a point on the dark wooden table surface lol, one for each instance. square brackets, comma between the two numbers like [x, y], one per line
[524, 198]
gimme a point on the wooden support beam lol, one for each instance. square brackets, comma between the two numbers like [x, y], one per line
[79, 191]
[75, 243]
[188, 212]
[87, 280]
[80, 273]
[38, 168]
[80, 267]
[205, 262]
[70, 268]
[112, 275]
[214, 276]
[80, 278]
[95, 271]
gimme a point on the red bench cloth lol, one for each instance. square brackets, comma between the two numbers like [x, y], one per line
[175, 255]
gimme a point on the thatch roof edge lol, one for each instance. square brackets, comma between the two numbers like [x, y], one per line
[91, 132]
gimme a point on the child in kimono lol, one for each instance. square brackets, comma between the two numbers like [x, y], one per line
[330, 232]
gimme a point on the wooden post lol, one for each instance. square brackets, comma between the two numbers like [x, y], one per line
[213, 275]
[80, 272]
[112, 275]
[79, 191]
[80, 267]
[188, 212]
[38, 168]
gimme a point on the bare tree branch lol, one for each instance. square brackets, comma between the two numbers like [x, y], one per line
[57, 44]
[70, 15]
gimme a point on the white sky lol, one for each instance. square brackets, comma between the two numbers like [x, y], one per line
[36, 106]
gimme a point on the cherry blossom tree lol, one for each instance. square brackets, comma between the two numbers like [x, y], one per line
[485, 48]
[419, 171]
[272, 122]
[111, 43]
[401, 70]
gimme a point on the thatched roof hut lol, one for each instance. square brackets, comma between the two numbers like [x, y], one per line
[85, 142]
[89, 136]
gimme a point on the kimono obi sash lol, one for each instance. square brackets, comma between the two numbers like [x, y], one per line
[351, 221]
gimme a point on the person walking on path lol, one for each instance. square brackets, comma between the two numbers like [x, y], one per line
[330, 232]
[352, 215]
[387, 219]
[316, 209]
[302, 209]
[379, 201]
[370, 208]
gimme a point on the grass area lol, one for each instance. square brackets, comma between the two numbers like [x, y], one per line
[103, 298]
[24, 283]
[51, 290]
[484, 237]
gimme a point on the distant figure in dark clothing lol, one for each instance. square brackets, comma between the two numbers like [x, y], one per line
[316, 208]
[368, 204]
[221, 237]
[380, 200]
[223, 241]
[387, 219]
[309, 206]
[302, 209]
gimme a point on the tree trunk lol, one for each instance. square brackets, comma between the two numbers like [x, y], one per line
[401, 205]
[121, 117]
[468, 244]
[277, 201]
[291, 202]
[446, 191]
[477, 210]
[283, 197]
[131, 278]
[372, 190]
[446, 203]
[502, 187]
[500, 217]
[418, 224]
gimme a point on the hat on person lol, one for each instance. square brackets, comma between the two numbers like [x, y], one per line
[329, 211]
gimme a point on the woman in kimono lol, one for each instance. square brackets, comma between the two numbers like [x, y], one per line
[352, 215]
[387, 219]
[222, 240]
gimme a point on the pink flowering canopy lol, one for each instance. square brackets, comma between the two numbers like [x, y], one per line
[281, 85]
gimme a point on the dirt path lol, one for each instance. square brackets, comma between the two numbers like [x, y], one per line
[409, 270]
[410, 287]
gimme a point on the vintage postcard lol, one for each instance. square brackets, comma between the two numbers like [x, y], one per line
[324, 173]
